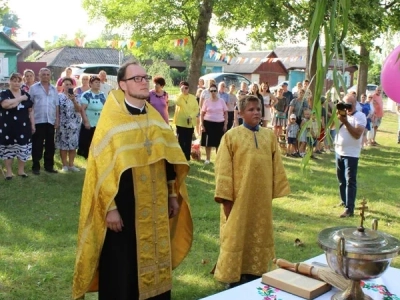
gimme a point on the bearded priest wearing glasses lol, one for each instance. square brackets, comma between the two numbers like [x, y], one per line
[135, 224]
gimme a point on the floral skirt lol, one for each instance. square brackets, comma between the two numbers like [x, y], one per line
[67, 139]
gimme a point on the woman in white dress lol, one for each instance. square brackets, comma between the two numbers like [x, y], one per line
[269, 100]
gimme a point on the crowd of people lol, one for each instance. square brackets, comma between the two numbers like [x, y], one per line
[36, 118]
[65, 116]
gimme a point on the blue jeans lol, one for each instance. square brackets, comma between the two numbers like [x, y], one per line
[346, 171]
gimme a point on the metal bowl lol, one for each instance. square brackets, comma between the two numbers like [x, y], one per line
[358, 255]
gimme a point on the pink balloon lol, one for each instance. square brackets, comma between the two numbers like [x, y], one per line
[390, 75]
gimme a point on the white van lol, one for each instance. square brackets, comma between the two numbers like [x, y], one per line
[79, 70]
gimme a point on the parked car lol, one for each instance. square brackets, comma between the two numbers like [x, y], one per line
[79, 70]
[275, 87]
[228, 78]
[370, 88]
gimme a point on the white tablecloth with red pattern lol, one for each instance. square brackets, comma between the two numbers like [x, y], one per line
[387, 287]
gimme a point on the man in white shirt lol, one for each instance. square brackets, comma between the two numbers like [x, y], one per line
[104, 86]
[44, 97]
[348, 148]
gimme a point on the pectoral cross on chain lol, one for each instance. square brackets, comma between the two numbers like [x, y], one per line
[148, 145]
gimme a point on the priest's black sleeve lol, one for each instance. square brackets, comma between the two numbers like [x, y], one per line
[170, 171]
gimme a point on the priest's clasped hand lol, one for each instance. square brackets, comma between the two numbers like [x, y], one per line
[114, 221]
[173, 206]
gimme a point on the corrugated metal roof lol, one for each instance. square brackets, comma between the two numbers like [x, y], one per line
[292, 52]
[67, 56]
[248, 67]
[295, 52]
[25, 44]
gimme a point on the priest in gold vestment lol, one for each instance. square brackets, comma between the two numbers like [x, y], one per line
[135, 224]
[249, 173]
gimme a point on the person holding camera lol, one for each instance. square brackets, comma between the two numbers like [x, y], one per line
[185, 118]
[69, 118]
[348, 144]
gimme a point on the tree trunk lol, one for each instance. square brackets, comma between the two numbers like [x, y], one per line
[199, 44]
[311, 66]
[363, 71]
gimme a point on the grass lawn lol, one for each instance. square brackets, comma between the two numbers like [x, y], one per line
[39, 219]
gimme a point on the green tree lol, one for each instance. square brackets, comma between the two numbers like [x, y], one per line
[34, 56]
[369, 19]
[10, 20]
[160, 21]
[59, 42]
[374, 70]
[159, 68]
[102, 41]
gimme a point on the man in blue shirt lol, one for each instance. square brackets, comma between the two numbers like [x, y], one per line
[221, 92]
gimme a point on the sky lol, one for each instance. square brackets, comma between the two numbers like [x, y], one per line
[49, 19]
[67, 18]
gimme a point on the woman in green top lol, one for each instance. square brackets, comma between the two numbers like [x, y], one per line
[186, 112]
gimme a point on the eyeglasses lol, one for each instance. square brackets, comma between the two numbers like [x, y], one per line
[139, 79]
[213, 91]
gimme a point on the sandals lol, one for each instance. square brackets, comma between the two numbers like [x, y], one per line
[23, 175]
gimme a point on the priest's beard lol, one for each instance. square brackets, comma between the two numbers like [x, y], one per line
[139, 96]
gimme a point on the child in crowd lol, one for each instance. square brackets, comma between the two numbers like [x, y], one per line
[305, 132]
[291, 136]
[312, 138]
